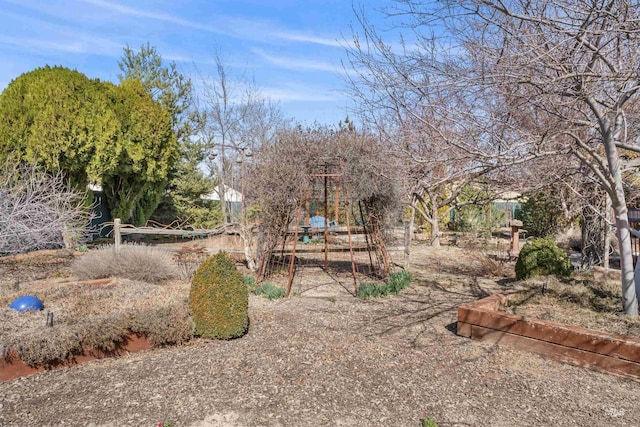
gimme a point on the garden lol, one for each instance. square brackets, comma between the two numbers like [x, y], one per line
[309, 359]
[371, 250]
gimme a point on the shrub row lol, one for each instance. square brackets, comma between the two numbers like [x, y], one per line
[395, 283]
[166, 325]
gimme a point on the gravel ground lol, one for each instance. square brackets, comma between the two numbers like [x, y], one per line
[324, 358]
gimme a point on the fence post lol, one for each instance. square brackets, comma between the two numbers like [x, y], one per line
[116, 235]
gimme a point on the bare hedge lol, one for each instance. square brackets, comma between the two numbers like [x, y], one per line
[37, 210]
[134, 262]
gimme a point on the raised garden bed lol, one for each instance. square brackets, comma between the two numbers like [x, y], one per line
[483, 320]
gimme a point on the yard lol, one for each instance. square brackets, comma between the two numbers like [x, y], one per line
[323, 357]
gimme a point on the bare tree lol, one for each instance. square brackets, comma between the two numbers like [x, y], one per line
[574, 63]
[38, 211]
[239, 120]
[450, 135]
[534, 78]
[238, 117]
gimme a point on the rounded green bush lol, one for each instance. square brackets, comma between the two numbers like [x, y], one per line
[219, 299]
[540, 257]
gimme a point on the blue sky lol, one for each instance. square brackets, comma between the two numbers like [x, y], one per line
[292, 49]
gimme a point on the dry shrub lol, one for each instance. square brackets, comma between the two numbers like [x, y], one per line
[103, 332]
[580, 301]
[47, 347]
[169, 325]
[569, 239]
[237, 257]
[38, 210]
[188, 258]
[489, 265]
[134, 262]
[92, 317]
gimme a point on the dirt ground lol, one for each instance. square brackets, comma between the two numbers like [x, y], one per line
[326, 358]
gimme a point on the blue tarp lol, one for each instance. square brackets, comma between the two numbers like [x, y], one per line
[318, 222]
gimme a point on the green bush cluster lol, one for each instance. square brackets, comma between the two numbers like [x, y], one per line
[427, 422]
[395, 283]
[267, 289]
[219, 299]
[542, 215]
[541, 257]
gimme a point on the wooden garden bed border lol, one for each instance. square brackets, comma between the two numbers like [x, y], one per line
[483, 320]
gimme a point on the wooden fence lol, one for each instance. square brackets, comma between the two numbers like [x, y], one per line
[120, 230]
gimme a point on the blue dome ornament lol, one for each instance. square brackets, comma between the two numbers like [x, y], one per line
[26, 303]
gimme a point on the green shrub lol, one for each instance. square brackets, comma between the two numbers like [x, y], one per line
[250, 281]
[541, 257]
[395, 283]
[219, 299]
[270, 291]
[427, 422]
[267, 289]
[542, 215]
[398, 281]
[368, 290]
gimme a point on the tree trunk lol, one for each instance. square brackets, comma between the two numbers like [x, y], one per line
[607, 231]
[222, 190]
[247, 240]
[408, 233]
[435, 224]
[629, 287]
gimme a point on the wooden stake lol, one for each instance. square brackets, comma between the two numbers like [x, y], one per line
[353, 262]
[337, 204]
[293, 250]
[326, 221]
[117, 237]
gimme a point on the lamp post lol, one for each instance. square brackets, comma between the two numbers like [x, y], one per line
[244, 152]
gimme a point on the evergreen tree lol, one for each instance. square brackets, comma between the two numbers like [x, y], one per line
[186, 183]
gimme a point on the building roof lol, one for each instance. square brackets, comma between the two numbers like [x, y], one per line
[230, 195]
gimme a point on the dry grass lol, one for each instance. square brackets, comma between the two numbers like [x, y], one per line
[135, 262]
[579, 301]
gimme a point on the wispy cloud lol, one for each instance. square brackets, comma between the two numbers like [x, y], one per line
[230, 26]
[295, 63]
[305, 38]
[130, 11]
[40, 45]
[297, 92]
[79, 45]
[46, 37]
